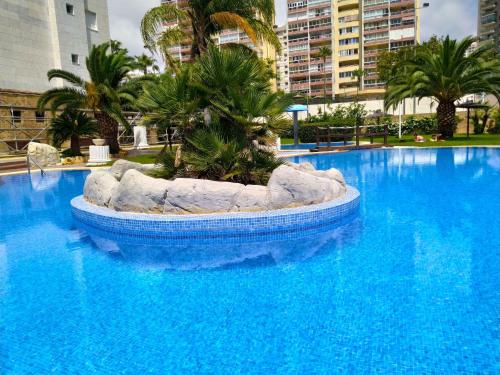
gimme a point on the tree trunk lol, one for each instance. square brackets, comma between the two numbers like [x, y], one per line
[324, 84]
[75, 144]
[446, 118]
[109, 131]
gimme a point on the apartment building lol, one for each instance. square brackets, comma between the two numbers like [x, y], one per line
[39, 35]
[489, 22]
[282, 64]
[356, 31]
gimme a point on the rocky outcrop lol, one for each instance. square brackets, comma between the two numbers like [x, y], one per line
[187, 195]
[252, 198]
[126, 188]
[137, 192]
[121, 166]
[99, 187]
[43, 155]
[291, 187]
[332, 174]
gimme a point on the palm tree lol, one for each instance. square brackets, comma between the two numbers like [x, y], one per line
[446, 73]
[237, 90]
[104, 94]
[71, 125]
[207, 18]
[324, 53]
[144, 62]
[358, 75]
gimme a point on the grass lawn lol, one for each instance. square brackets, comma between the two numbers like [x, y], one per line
[458, 140]
[143, 159]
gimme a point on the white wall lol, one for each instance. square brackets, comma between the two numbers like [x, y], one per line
[39, 35]
[425, 106]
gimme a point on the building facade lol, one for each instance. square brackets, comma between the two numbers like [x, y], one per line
[39, 35]
[282, 63]
[355, 31]
[489, 22]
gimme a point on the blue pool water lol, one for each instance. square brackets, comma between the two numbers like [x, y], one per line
[409, 286]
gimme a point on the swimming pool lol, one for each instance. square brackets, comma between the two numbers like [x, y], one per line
[409, 286]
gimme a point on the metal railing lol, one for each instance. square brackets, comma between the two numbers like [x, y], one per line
[30, 160]
[333, 133]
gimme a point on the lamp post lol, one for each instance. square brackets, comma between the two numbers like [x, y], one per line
[424, 5]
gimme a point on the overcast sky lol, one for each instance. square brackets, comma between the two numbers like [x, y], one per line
[457, 18]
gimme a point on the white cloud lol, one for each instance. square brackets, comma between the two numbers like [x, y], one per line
[457, 18]
[125, 20]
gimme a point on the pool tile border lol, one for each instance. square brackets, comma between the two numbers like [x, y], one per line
[206, 226]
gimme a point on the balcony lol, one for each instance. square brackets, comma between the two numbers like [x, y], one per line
[319, 39]
[345, 5]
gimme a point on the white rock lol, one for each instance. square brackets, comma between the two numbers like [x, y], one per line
[44, 155]
[121, 166]
[186, 195]
[252, 198]
[99, 188]
[290, 187]
[332, 174]
[304, 167]
[137, 192]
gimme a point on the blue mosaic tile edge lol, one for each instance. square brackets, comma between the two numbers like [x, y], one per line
[215, 225]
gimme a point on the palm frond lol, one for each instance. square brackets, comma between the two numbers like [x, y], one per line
[153, 22]
[229, 20]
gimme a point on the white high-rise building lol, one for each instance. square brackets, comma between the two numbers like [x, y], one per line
[39, 35]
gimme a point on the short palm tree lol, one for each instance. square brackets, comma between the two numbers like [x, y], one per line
[237, 90]
[207, 18]
[71, 125]
[447, 74]
[324, 52]
[104, 93]
[144, 63]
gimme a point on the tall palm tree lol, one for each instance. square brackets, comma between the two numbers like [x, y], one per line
[104, 93]
[144, 62]
[207, 18]
[446, 73]
[71, 125]
[324, 52]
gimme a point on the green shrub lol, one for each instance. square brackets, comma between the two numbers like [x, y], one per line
[69, 153]
[425, 125]
[495, 129]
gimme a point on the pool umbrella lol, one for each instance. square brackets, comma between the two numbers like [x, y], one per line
[295, 109]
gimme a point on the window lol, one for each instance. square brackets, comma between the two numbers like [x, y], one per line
[91, 20]
[75, 59]
[16, 115]
[70, 9]
[40, 116]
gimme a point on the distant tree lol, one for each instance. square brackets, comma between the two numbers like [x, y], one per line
[388, 60]
[324, 52]
[144, 62]
[358, 75]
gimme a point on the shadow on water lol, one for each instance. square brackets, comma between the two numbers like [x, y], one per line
[217, 253]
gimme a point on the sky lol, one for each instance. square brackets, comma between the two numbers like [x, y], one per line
[457, 18]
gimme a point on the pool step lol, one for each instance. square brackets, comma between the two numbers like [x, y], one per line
[16, 165]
